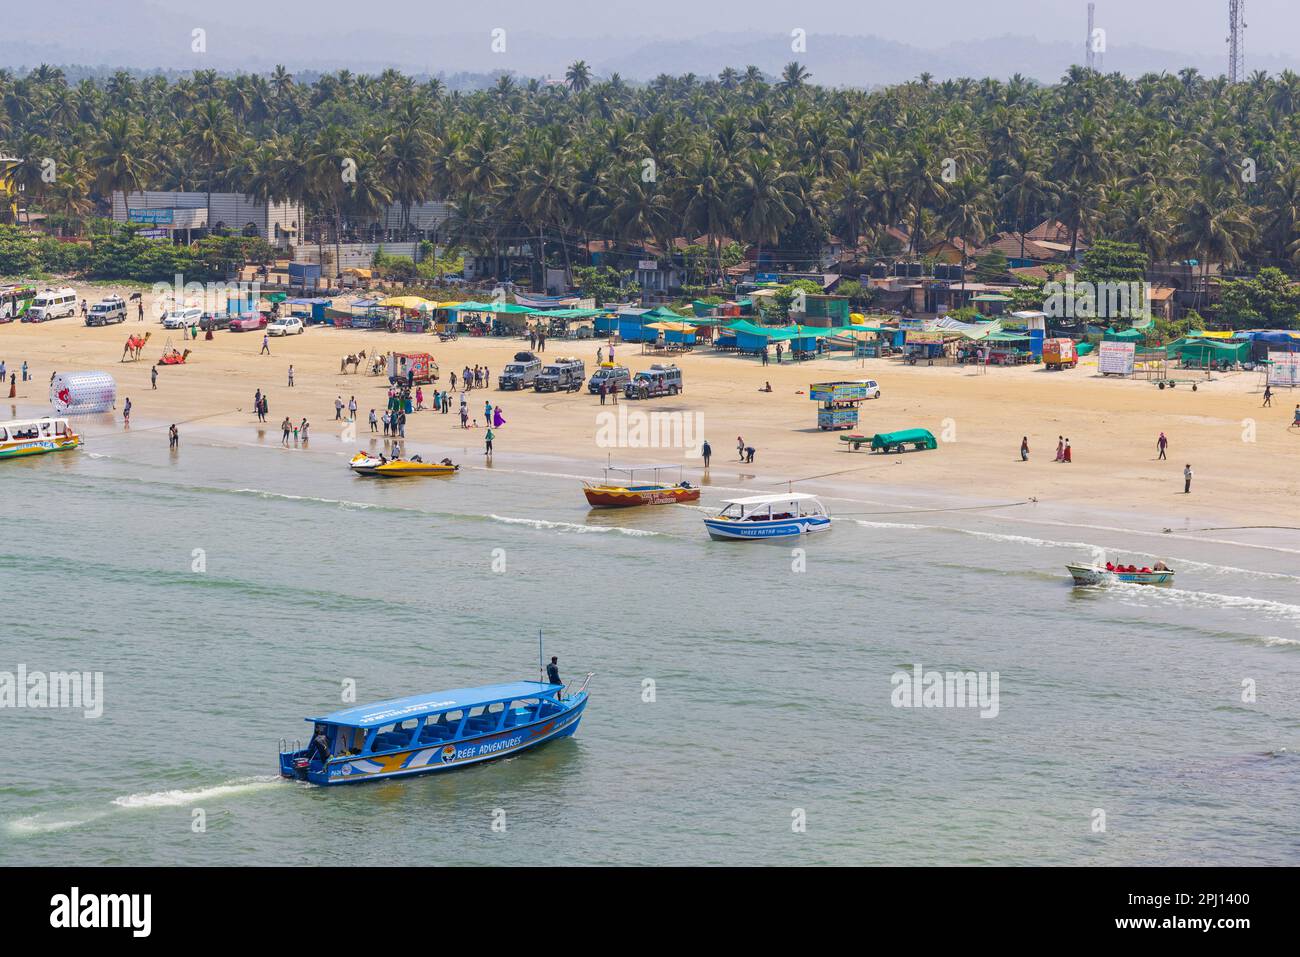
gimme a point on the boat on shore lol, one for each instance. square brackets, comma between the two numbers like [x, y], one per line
[363, 463]
[23, 437]
[768, 516]
[1086, 574]
[439, 731]
[630, 493]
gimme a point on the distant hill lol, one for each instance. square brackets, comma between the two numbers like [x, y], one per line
[149, 37]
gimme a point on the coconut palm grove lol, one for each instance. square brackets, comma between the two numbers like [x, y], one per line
[1182, 168]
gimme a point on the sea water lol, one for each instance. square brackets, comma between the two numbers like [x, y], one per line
[745, 707]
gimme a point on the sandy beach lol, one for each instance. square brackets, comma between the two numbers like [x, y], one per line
[1243, 456]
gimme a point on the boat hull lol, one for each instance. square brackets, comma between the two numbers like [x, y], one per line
[1094, 575]
[23, 448]
[723, 530]
[434, 758]
[366, 466]
[617, 496]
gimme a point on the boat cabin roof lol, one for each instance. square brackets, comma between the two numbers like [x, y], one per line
[641, 468]
[399, 709]
[770, 499]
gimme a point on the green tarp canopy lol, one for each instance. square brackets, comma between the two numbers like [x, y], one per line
[276, 297]
[1123, 335]
[500, 307]
[1208, 350]
[570, 313]
[1005, 337]
[663, 312]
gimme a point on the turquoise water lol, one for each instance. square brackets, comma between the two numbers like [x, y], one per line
[772, 687]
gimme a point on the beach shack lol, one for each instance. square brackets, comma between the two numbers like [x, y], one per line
[838, 402]
[310, 311]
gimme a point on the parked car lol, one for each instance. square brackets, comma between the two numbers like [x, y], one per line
[565, 374]
[521, 373]
[52, 304]
[286, 326]
[655, 381]
[248, 322]
[181, 318]
[107, 311]
[611, 376]
[215, 320]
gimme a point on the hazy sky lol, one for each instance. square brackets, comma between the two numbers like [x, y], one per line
[1191, 25]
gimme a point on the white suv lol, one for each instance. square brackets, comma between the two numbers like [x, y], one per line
[182, 318]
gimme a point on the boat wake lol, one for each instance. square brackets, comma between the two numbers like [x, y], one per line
[570, 526]
[1279, 610]
[50, 822]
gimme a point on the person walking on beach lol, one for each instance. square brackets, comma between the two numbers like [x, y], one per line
[291, 376]
[453, 382]
[1162, 443]
[126, 411]
[764, 354]
[419, 398]
[1060, 449]
[1024, 448]
[352, 408]
[153, 378]
[387, 421]
[603, 390]
[173, 437]
[707, 451]
[266, 345]
[139, 308]
[25, 375]
[740, 447]
[13, 385]
[338, 408]
[285, 427]
[1066, 453]
[374, 421]
[1187, 479]
[464, 417]
[600, 354]
[487, 441]
[1268, 396]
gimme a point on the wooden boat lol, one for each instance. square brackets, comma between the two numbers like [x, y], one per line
[363, 463]
[611, 494]
[434, 732]
[23, 437]
[768, 516]
[1084, 574]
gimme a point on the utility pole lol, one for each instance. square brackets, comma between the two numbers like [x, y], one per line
[1236, 40]
[1091, 60]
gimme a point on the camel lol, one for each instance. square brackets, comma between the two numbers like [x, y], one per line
[174, 358]
[134, 347]
[352, 360]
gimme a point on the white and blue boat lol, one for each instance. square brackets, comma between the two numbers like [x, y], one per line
[426, 733]
[768, 516]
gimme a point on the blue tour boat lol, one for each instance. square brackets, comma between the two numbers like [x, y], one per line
[768, 516]
[435, 732]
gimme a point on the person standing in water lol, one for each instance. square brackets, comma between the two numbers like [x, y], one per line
[126, 411]
[173, 437]
[487, 442]
[707, 451]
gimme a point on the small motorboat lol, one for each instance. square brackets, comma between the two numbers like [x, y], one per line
[434, 732]
[613, 494]
[363, 463]
[768, 516]
[1085, 574]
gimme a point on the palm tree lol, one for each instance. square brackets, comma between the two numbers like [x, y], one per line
[578, 76]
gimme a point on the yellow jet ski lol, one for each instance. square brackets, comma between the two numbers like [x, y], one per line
[363, 463]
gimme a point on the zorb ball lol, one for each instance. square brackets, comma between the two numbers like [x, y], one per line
[82, 393]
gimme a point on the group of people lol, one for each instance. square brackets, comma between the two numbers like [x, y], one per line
[746, 452]
[13, 377]
[536, 340]
[470, 379]
[298, 431]
[260, 405]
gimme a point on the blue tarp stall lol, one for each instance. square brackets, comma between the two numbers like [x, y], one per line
[312, 309]
[240, 307]
[304, 274]
[632, 327]
[605, 325]
[1264, 341]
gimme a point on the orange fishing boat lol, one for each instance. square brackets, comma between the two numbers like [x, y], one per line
[611, 494]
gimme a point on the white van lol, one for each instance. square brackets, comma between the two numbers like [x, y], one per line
[182, 318]
[52, 304]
